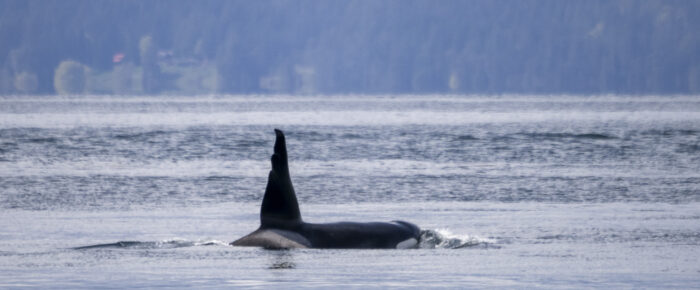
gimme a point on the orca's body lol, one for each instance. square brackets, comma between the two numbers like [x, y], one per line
[281, 225]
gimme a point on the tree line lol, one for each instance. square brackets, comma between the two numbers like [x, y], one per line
[354, 46]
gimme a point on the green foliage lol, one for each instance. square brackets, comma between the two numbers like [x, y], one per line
[151, 74]
[70, 78]
[202, 79]
[124, 79]
[6, 81]
[26, 82]
[147, 51]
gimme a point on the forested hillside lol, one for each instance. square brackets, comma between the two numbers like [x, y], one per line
[338, 47]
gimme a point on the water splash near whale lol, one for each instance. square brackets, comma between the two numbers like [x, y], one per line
[445, 239]
[152, 245]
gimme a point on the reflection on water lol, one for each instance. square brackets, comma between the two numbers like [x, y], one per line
[281, 259]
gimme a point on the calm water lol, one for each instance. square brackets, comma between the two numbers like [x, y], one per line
[511, 191]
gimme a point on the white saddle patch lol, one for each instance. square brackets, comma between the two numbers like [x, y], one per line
[407, 244]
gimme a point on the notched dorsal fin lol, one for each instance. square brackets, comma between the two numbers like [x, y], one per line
[280, 208]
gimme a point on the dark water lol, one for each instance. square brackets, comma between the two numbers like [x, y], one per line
[542, 191]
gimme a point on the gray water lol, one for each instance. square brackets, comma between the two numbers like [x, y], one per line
[510, 191]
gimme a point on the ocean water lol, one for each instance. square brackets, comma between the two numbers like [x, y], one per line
[510, 191]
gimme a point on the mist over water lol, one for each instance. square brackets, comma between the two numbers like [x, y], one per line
[528, 185]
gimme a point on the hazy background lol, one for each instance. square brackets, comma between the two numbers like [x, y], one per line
[340, 47]
[537, 144]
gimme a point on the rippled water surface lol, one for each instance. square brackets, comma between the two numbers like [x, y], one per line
[511, 191]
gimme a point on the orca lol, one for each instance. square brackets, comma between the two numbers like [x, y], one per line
[281, 226]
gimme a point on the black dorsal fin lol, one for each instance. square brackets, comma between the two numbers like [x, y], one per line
[279, 206]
